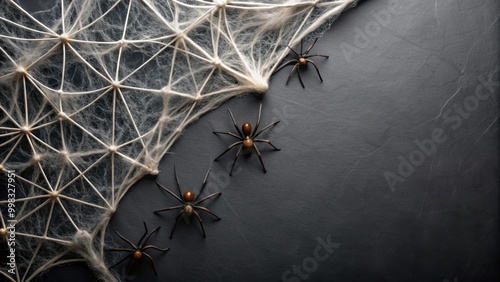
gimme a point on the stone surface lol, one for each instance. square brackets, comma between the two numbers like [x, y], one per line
[388, 169]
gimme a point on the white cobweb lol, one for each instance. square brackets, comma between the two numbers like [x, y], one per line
[93, 93]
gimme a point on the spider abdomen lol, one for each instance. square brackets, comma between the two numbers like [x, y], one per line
[188, 196]
[137, 255]
[246, 128]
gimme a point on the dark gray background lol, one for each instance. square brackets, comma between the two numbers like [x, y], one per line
[396, 74]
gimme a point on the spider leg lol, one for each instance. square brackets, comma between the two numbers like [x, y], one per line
[268, 142]
[234, 123]
[126, 240]
[170, 192]
[122, 260]
[143, 235]
[228, 148]
[312, 45]
[169, 209]
[209, 212]
[316, 67]
[175, 223]
[297, 54]
[208, 197]
[149, 236]
[228, 133]
[202, 185]
[291, 72]
[234, 162]
[156, 248]
[152, 262]
[177, 181]
[263, 129]
[130, 265]
[201, 223]
[300, 78]
[258, 120]
[285, 64]
[317, 55]
[121, 250]
[301, 45]
[260, 157]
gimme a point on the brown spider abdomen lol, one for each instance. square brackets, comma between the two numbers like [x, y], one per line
[188, 196]
[247, 129]
[137, 254]
[302, 61]
[247, 143]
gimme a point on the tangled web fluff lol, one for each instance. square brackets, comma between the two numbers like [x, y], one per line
[93, 93]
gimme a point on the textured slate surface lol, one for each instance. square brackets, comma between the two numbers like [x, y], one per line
[393, 159]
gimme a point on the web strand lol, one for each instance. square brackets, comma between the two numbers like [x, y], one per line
[94, 93]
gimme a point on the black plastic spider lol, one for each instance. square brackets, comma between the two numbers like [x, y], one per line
[301, 61]
[189, 203]
[138, 251]
[247, 138]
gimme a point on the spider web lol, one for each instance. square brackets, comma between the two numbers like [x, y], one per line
[93, 93]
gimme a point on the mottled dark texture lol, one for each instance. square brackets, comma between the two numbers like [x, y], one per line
[406, 83]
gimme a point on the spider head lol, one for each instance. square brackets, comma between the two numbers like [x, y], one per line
[246, 128]
[137, 254]
[302, 61]
[188, 196]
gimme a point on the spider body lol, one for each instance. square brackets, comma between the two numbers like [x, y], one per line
[247, 139]
[137, 252]
[189, 203]
[247, 143]
[188, 196]
[301, 61]
[246, 129]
